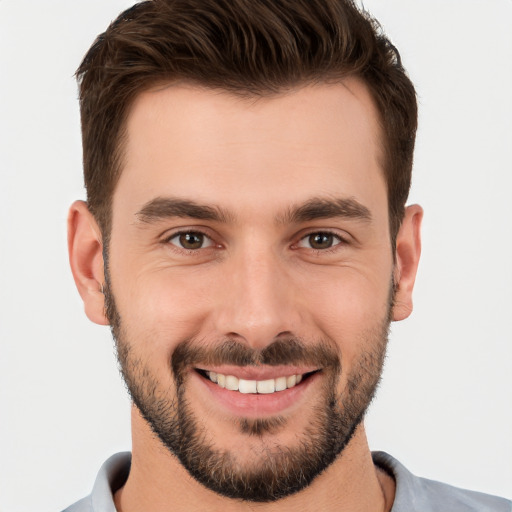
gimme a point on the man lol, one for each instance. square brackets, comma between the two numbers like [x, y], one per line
[245, 236]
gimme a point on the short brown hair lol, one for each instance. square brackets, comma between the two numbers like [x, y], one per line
[250, 47]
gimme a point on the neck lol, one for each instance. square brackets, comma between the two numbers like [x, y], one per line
[159, 483]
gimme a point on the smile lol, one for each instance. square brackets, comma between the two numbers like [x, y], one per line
[256, 392]
[268, 386]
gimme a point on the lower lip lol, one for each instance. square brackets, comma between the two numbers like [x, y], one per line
[252, 405]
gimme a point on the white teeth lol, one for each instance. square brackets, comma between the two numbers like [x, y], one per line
[247, 386]
[268, 386]
[280, 383]
[231, 383]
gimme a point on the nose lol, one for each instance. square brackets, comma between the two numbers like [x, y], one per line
[258, 301]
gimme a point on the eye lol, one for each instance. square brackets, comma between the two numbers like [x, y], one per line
[320, 241]
[191, 240]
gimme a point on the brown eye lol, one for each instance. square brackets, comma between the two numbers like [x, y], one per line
[191, 240]
[320, 240]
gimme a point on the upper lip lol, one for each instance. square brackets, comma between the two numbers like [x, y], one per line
[259, 372]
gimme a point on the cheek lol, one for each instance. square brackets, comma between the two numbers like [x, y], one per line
[162, 307]
[350, 308]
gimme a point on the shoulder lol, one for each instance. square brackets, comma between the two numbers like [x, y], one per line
[84, 505]
[454, 498]
[415, 494]
[111, 476]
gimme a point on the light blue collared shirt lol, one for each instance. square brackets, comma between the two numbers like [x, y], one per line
[413, 494]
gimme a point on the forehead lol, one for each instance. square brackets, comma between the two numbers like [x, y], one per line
[214, 147]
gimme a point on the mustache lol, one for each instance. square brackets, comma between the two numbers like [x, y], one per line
[283, 351]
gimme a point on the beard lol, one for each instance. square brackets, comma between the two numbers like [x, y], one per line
[275, 471]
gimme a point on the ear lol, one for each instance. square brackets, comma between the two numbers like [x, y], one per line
[85, 249]
[408, 250]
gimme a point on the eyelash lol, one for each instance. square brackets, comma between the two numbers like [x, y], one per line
[340, 241]
[175, 247]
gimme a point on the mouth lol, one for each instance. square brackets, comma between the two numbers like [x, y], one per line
[260, 387]
[256, 391]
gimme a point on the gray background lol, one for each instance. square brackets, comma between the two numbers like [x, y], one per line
[444, 408]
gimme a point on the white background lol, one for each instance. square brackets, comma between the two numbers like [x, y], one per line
[444, 408]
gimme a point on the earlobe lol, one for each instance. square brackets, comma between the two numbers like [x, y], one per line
[85, 249]
[408, 250]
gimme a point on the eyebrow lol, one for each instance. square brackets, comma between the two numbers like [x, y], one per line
[162, 208]
[320, 208]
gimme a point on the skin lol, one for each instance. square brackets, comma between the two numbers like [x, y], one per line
[257, 277]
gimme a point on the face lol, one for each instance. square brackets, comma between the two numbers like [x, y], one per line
[250, 277]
